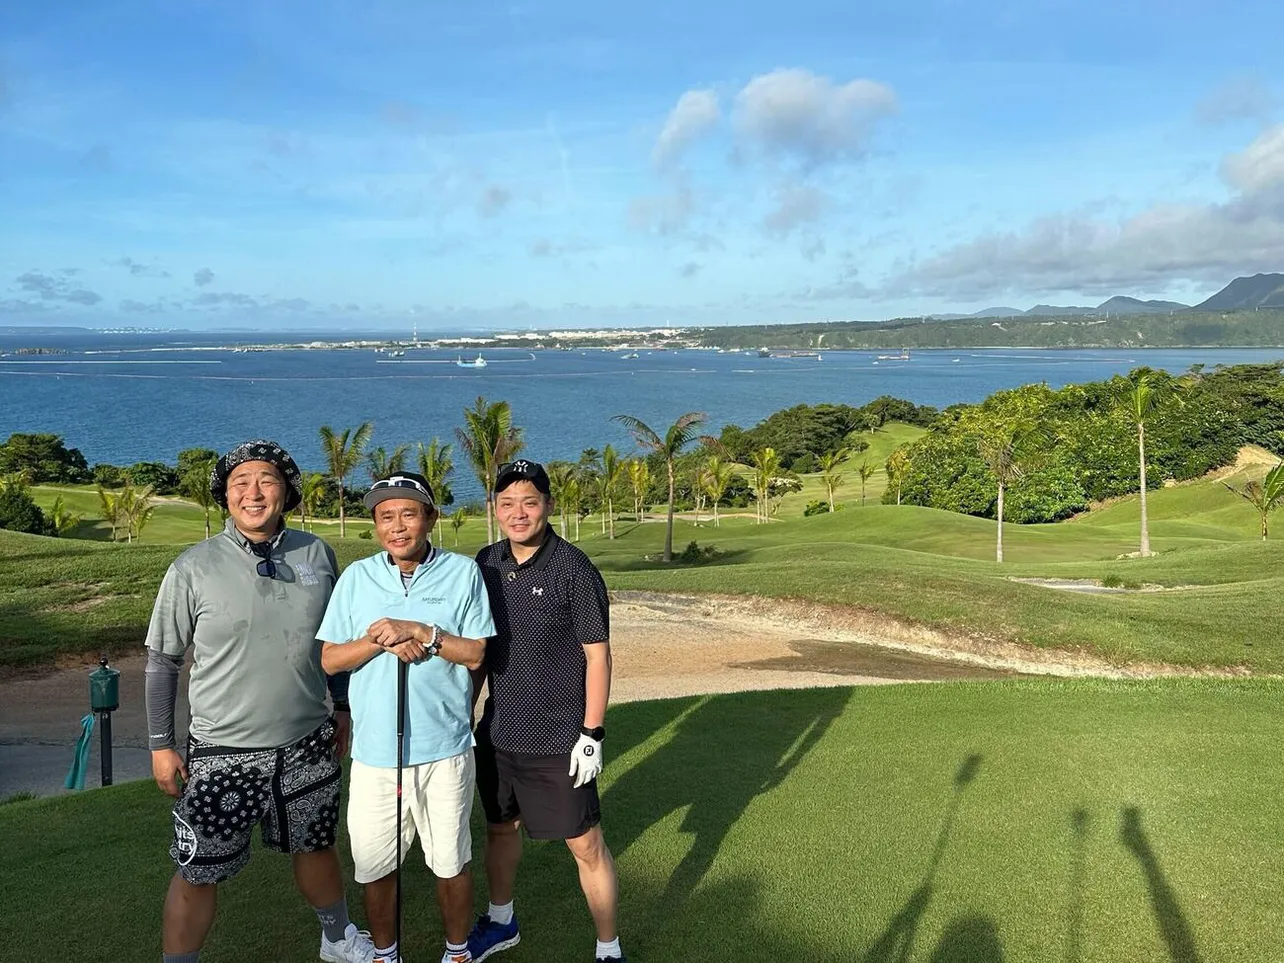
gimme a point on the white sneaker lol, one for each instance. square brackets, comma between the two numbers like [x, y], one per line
[355, 947]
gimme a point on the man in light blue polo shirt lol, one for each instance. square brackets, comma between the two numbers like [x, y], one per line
[429, 608]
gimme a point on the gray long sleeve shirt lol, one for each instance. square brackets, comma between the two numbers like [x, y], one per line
[256, 679]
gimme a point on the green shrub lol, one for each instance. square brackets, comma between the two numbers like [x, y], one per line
[109, 476]
[819, 507]
[19, 513]
[693, 554]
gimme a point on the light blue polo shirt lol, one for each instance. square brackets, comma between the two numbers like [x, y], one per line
[447, 591]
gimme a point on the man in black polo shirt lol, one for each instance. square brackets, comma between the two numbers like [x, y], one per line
[539, 742]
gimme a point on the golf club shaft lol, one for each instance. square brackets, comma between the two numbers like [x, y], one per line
[402, 671]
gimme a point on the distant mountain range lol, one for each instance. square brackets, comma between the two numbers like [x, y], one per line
[1242, 294]
[1119, 304]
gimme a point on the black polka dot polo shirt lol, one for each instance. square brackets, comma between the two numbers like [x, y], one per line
[546, 609]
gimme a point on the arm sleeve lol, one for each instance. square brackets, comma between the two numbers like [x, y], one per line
[173, 623]
[160, 691]
[591, 608]
[477, 622]
[335, 627]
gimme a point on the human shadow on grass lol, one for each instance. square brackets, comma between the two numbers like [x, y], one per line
[896, 943]
[724, 752]
[1074, 909]
[969, 939]
[1173, 926]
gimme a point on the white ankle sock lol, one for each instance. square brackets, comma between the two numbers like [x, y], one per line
[388, 953]
[503, 915]
[456, 953]
[607, 950]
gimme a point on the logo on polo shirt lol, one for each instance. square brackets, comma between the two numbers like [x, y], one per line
[307, 575]
[536, 590]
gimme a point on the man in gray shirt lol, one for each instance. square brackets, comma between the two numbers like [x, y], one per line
[262, 747]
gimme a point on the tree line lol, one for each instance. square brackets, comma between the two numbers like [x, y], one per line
[1034, 454]
[1029, 454]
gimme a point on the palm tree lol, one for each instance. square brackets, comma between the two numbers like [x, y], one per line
[574, 495]
[1009, 451]
[1265, 495]
[561, 476]
[679, 434]
[196, 486]
[1141, 397]
[109, 503]
[612, 472]
[766, 467]
[489, 439]
[640, 482]
[717, 477]
[866, 472]
[343, 453]
[62, 518]
[312, 490]
[898, 469]
[589, 473]
[384, 465]
[829, 473]
[457, 518]
[135, 509]
[435, 464]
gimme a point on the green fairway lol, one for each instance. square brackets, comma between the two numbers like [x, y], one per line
[1223, 586]
[882, 443]
[1092, 822]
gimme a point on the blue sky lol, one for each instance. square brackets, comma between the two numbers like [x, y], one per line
[377, 164]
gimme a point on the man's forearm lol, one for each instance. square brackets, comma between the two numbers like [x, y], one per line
[160, 693]
[597, 684]
[337, 684]
[342, 657]
[455, 648]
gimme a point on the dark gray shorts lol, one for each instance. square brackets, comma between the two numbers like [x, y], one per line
[535, 789]
[292, 792]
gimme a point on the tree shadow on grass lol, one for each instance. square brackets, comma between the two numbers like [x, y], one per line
[1173, 926]
[654, 564]
[896, 943]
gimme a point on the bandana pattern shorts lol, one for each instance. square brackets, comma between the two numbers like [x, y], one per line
[292, 792]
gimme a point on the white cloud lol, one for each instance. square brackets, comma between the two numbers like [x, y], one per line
[1260, 166]
[1165, 243]
[695, 113]
[796, 204]
[493, 200]
[795, 112]
[1242, 98]
[664, 213]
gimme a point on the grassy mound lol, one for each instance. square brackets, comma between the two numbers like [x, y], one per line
[982, 822]
[1223, 585]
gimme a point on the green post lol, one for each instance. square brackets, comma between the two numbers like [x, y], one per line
[104, 699]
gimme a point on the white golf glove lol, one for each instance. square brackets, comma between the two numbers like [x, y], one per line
[586, 760]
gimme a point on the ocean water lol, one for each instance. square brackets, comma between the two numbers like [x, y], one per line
[128, 398]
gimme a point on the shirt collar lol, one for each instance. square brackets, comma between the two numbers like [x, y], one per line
[230, 529]
[430, 553]
[540, 559]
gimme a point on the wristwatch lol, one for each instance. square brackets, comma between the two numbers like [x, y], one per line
[434, 644]
[597, 734]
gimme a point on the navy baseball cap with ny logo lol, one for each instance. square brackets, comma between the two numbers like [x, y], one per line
[522, 470]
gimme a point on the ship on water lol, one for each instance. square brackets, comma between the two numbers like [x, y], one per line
[477, 362]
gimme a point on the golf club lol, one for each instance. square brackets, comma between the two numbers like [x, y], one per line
[402, 669]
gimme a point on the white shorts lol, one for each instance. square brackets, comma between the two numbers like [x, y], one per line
[437, 798]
